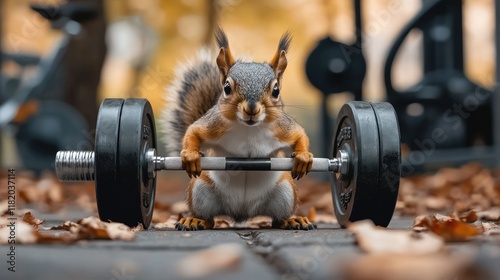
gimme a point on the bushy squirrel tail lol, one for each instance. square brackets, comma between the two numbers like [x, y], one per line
[194, 90]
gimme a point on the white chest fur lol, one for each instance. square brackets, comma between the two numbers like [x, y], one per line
[245, 193]
[247, 141]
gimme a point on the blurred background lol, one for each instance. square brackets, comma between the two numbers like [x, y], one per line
[56, 71]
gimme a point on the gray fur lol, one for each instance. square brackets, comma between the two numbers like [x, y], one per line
[196, 80]
[241, 203]
[252, 79]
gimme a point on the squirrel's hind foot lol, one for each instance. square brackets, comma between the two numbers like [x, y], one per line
[296, 222]
[190, 223]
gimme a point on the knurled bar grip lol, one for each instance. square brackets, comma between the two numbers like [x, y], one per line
[246, 164]
[79, 165]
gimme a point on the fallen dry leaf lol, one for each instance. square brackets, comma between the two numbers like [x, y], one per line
[68, 225]
[408, 267]
[491, 228]
[373, 239]
[258, 222]
[169, 223]
[24, 233]
[207, 262]
[449, 228]
[137, 228]
[223, 222]
[93, 228]
[17, 231]
[468, 216]
[32, 220]
[468, 187]
[492, 214]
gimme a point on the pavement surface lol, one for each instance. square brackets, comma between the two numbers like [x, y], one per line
[159, 254]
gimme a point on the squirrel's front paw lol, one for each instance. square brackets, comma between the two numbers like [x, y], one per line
[191, 223]
[191, 162]
[302, 164]
[297, 222]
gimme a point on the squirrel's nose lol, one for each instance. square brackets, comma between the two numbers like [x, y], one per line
[251, 111]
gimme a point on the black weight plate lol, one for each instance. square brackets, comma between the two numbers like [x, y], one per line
[106, 159]
[366, 192]
[390, 161]
[135, 198]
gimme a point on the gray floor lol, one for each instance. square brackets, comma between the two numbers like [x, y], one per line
[155, 254]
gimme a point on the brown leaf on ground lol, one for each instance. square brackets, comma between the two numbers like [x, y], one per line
[258, 222]
[68, 226]
[93, 228]
[32, 220]
[21, 232]
[491, 228]
[169, 223]
[223, 222]
[492, 215]
[214, 260]
[468, 216]
[407, 267]
[468, 187]
[373, 239]
[137, 228]
[449, 228]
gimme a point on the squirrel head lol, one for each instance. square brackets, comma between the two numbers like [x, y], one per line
[251, 90]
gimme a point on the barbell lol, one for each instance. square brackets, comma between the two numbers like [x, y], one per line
[365, 166]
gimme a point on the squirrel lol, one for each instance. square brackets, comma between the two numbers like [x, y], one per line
[222, 106]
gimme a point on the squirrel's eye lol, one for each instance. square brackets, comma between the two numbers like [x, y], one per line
[227, 88]
[276, 91]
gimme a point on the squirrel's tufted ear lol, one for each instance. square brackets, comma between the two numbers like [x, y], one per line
[225, 59]
[279, 61]
[279, 65]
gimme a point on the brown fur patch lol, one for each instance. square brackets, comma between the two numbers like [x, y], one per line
[289, 131]
[274, 109]
[288, 178]
[230, 105]
[204, 177]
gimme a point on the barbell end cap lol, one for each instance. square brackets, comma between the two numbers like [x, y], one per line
[75, 166]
